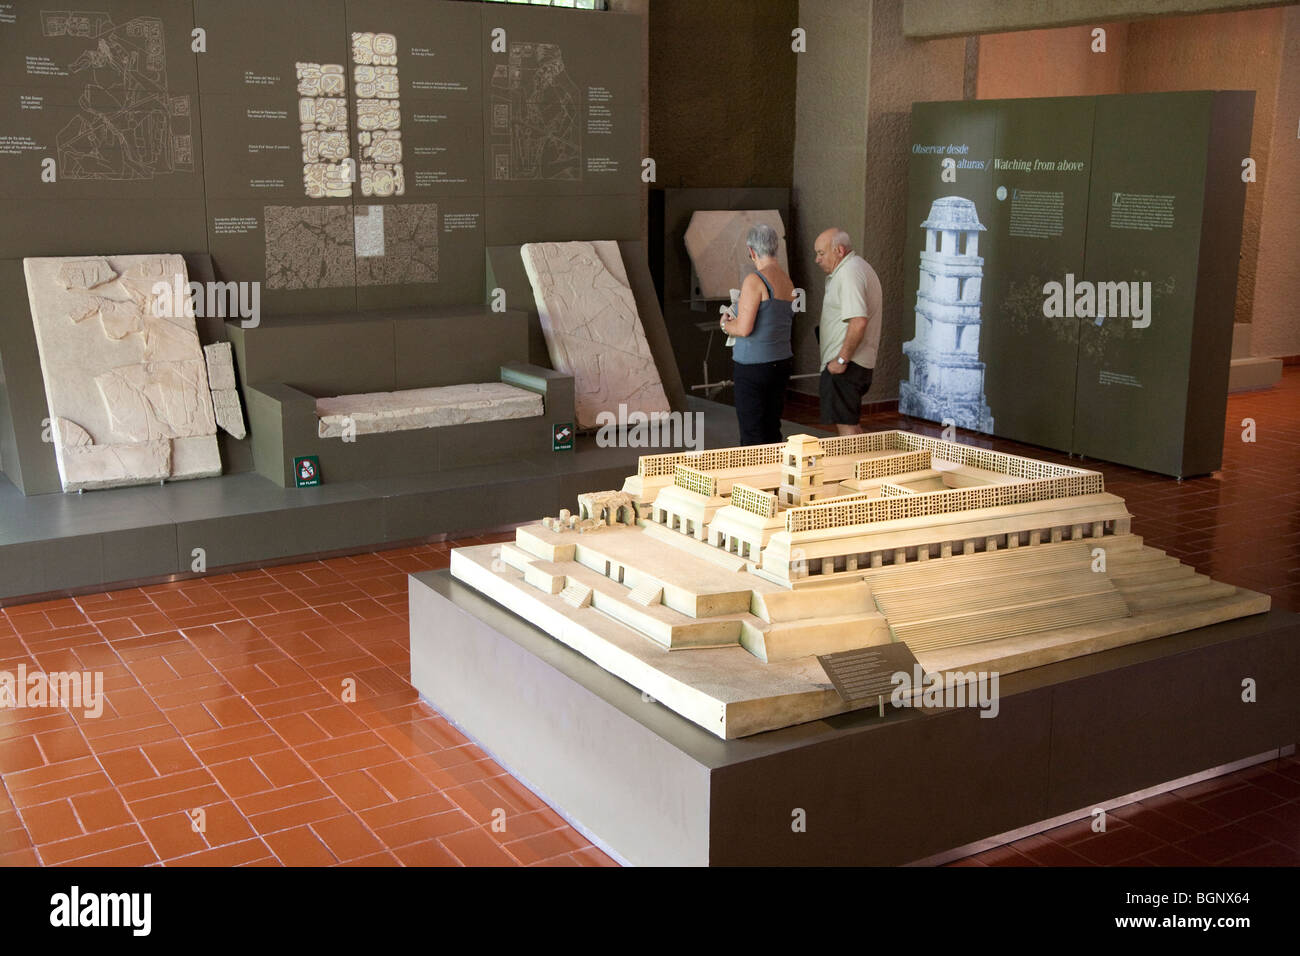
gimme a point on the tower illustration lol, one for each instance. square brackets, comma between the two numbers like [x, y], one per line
[947, 377]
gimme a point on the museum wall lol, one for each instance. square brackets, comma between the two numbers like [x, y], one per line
[830, 150]
[939, 18]
[1276, 326]
[1239, 50]
[1223, 51]
[1057, 62]
[722, 92]
[850, 166]
[903, 71]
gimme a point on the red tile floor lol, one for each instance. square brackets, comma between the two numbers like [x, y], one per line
[225, 694]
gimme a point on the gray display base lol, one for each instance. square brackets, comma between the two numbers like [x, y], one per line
[55, 543]
[654, 789]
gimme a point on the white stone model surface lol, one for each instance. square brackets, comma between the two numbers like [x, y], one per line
[592, 328]
[225, 397]
[715, 241]
[713, 580]
[375, 412]
[127, 389]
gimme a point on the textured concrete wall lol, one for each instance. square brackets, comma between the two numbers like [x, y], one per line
[937, 18]
[1056, 62]
[830, 149]
[722, 92]
[1276, 326]
[903, 71]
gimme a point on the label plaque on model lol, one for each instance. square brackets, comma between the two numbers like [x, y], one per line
[865, 673]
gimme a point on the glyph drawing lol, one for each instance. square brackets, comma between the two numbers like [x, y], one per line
[129, 125]
[125, 381]
[323, 121]
[379, 115]
[593, 331]
[535, 119]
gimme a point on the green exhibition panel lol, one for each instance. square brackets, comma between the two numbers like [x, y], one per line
[1072, 264]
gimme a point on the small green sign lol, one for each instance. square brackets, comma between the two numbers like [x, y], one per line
[306, 471]
[562, 437]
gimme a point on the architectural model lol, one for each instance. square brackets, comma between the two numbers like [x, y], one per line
[593, 330]
[127, 388]
[947, 377]
[715, 241]
[714, 579]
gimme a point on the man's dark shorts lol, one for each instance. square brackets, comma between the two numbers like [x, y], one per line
[841, 394]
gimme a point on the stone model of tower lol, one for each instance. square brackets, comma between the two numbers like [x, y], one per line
[947, 377]
[801, 471]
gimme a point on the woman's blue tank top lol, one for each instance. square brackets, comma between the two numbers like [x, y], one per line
[770, 339]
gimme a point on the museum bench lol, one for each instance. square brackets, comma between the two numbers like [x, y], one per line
[395, 393]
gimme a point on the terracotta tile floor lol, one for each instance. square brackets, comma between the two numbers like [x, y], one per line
[225, 695]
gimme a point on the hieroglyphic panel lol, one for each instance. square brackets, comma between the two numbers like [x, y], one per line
[323, 120]
[379, 116]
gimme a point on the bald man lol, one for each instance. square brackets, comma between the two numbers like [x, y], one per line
[849, 331]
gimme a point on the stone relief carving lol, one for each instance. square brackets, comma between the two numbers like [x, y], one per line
[127, 387]
[592, 328]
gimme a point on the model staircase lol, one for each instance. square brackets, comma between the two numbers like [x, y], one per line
[996, 595]
[1150, 579]
[576, 595]
[646, 593]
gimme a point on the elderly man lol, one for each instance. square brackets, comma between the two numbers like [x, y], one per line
[849, 330]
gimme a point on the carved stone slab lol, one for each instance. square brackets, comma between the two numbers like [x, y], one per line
[715, 241]
[592, 328]
[374, 412]
[225, 397]
[125, 377]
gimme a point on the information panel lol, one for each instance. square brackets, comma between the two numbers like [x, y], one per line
[1071, 264]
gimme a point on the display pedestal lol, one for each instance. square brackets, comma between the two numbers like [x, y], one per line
[652, 788]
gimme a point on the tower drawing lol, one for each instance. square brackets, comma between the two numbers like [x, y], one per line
[946, 380]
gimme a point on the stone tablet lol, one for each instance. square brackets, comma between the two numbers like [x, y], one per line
[715, 241]
[375, 412]
[592, 328]
[225, 397]
[125, 377]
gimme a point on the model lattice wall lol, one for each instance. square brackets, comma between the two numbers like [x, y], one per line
[831, 515]
[754, 501]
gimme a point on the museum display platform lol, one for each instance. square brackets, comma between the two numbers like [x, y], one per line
[652, 788]
[59, 543]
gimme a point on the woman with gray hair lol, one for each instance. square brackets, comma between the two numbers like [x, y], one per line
[761, 322]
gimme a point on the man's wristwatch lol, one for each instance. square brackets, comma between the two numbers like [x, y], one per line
[841, 360]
